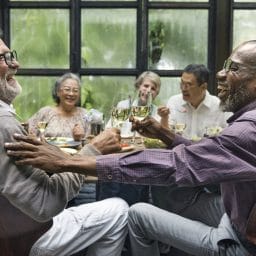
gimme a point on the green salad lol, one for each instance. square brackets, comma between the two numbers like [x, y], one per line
[153, 143]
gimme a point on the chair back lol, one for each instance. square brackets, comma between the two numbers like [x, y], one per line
[18, 232]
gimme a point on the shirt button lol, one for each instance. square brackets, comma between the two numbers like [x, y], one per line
[109, 177]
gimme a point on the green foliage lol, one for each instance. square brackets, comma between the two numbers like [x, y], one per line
[36, 93]
[108, 38]
[181, 38]
[156, 40]
[41, 42]
[99, 92]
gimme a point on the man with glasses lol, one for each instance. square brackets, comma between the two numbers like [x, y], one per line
[228, 159]
[33, 220]
[194, 106]
[197, 109]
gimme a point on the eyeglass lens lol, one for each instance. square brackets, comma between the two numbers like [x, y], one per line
[10, 57]
[68, 90]
[227, 64]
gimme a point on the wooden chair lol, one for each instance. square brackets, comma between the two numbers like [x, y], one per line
[18, 232]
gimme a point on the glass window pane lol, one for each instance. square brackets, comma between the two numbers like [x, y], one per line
[178, 1]
[169, 86]
[244, 26]
[248, 1]
[41, 42]
[36, 93]
[98, 91]
[109, 38]
[177, 38]
[40, 0]
[112, 0]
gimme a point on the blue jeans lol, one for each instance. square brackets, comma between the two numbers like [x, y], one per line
[129, 192]
[149, 225]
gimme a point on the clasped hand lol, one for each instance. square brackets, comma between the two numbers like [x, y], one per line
[148, 127]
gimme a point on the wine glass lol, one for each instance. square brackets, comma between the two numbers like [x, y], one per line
[41, 125]
[172, 124]
[180, 127]
[120, 112]
[141, 108]
[211, 131]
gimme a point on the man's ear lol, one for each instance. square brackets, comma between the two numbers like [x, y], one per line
[204, 85]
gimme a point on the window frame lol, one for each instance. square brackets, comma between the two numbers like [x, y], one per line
[219, 33]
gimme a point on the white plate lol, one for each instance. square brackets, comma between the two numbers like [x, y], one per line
[63, 142]
[69, 150]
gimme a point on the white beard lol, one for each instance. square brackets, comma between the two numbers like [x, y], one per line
[8, 92]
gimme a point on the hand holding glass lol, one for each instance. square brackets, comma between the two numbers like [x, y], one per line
[41, 125]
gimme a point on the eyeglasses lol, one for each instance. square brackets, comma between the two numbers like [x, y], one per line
[69, 90]
[9, 57]
[187, 85]
[230, 65]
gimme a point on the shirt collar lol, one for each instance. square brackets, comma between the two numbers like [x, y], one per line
[8, 107]
[206, 101]
[241, 111]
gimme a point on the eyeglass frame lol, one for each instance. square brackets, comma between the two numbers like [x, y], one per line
[70, 90]
[227, 66]
[12, 56]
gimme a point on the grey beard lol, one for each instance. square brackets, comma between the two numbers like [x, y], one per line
[235, 101]
[8, 93]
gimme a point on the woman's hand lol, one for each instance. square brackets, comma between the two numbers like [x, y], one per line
[163, 111]
[78, 132]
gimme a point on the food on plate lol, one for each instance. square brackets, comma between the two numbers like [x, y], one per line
[153, 143]
[63, 142]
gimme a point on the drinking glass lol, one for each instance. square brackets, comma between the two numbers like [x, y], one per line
[141, 108]
[41, 125]
[172, 123]
[120, 111]
[211, 131]
[180, 127]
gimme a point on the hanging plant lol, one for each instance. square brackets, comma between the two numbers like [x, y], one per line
[156, 41]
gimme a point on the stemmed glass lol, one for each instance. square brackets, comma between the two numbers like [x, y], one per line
[120, 112]
[41, 125]
[141, 107]
[180, 127]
